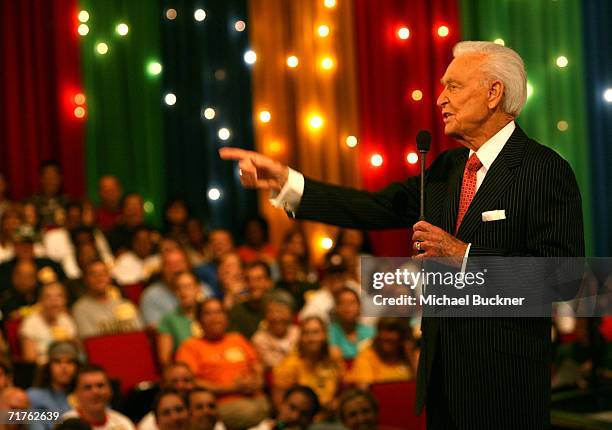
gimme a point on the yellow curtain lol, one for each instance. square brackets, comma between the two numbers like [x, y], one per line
[313, 106]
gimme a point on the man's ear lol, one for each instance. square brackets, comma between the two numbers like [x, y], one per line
[496, 94]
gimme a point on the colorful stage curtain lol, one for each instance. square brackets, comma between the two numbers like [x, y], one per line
[124, 116]
[548, 35]
[313, 109]
[204, 67]
[391, 70]
[39, 77]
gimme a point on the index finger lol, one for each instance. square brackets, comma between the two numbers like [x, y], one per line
[422, 226]
[230, 153]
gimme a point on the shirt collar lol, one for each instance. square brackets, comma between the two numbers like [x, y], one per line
[489, 151]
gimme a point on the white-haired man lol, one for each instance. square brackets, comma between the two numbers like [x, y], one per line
[474, 373]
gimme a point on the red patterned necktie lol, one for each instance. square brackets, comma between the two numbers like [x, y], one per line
[468, 187]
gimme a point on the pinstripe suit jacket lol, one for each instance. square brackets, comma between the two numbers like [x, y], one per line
[496, 372]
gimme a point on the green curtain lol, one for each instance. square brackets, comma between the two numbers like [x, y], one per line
[555, 112]
[124, 102]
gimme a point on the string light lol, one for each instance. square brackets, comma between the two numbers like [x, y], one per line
[330, 4]
[607, 95]
[265, 116]
[417, 95]
[154, 68]
[171, 14]
[240, 26]
[403, 33]
[376, 160]
[148, 207]
[500, 42]
[83, 29]
[79, 98]
[208, 113]
[327, 243]
[122, 29]
[83, 16]
[224, 133]
[199, 15]
[562, 61]
[443, 31]
[292, 61]
[327, 63]
[102, 48]
[250, 57]
[323, 30]
[315, 122]
[351, 141]
[412, 158]
[562, 125]
[214, 194]
[79, 112]
[275, 147]
[170, 99]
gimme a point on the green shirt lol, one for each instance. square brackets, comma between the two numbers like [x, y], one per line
[178, 325]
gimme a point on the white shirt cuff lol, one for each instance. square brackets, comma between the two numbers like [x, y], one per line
[465, 258]
[289, 197]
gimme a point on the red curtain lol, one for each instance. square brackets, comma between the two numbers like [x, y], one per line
[39, 78]
[390, 69]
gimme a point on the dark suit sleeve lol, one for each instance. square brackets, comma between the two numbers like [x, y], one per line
[395, 206]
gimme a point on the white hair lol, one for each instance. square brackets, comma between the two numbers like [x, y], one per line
[504, 64]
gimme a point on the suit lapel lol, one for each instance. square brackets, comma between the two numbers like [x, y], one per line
[498, 178]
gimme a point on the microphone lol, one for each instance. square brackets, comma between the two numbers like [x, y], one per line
[423, 142]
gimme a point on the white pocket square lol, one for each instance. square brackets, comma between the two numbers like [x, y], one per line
[493, 215]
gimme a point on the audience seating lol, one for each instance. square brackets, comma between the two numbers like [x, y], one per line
[128, 357]
[132, 292]
[11, 330]
[396, 405]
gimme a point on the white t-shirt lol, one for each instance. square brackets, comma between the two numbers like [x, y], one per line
[35, 327]
[130, 269]
[114, 420]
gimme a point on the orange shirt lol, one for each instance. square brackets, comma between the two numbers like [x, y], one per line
[220, 362]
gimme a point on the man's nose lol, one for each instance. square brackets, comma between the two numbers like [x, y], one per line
[442, 99]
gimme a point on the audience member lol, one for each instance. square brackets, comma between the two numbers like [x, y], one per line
[220, 242]
[5, 201]
[203, 410]
[345, 331]
[140, 262]
[170, 409]
[102, 310]
[176, 214]
[257, 244]
[295, 243]
[54, 381]
[227, 364]
[49, 323]
[50, 203]
[297, 411]
[20, 295]
[358, 410]
[13, 398]
[92, 395]
[231, 279]
[6, 373]
[110, 192]
[10, 220]
[246, 315]
[276, 336]
[178, 325]
[132, 217]
[313, 364]
[293, 280]
[387, 359]
[197, 245]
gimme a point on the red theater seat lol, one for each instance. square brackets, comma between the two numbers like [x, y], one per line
[396, 405]
[133, 292]
[11, 329]
[128, 357]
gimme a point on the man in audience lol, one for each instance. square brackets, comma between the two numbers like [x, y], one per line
[92, 394]
[170, 409]
[50, 203]
[299, 407]
[358, 410]
[6, 373]
[13, 398]
[226, 364]
[292, 279]
[102, 310]
[132, 217]
[220, 243]
[140, 262]
[22, 291]
[245, 316]
[159, 298]
[203, 410]
[109, 211]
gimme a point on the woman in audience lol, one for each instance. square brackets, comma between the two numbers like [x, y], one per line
[197, 246]
[170, 409]
[181, 324]
[313, 364]
[358, 410]
[55, 380]
[9, 221]
[228, 365]
[295, 243]
[389, 358]
[346, 332]
[176, 214]
[50, 323]
[257, 244]
[277, 336]
[231, 279]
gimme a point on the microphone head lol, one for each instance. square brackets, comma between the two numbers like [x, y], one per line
[423, 140]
